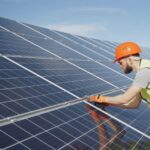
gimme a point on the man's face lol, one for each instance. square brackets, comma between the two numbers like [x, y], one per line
[124, 65]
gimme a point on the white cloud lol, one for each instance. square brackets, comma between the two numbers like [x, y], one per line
[98, 9]
[79, 29]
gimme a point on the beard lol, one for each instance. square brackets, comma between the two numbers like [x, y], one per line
[128, 69]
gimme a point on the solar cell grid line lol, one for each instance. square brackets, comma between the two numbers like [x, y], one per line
[46, 43]
[19, 36]
[45, 131]
[109, 65]
[126, 124]
[43, 110]
[56, 40]
[141, 123]
[59, 72]
[34, 44]
[10, 44]
[24, 100]
[64, 122]
[100, 47]
[129, 114]
[83, 121]
[106, 44]
[101, 43]
[89, 58]
[16, 27]
[24, 62]
[129, 117]
[105, 47]
[71, 49]
[143, 144]
[136, 145]
[75, 40]
[6, 138]
[30, 114]
[62, 130]
[111, 43]
[101, 72]
[37, 75]
[66, 53]
[113, 143]
[114, 67]
[79, 46]
[35, 129]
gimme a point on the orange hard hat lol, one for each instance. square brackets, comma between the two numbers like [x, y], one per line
[126, 49]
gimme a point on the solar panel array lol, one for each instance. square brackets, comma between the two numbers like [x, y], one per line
[44, 73]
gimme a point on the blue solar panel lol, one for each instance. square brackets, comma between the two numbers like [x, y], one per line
[79, 46]
[75, 127]
[43, 72]
[73, 78]
[22, 91]
[12, 45]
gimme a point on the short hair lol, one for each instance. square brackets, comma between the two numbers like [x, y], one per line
[136, 55]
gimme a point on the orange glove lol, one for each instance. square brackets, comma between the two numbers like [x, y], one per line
[97, 98]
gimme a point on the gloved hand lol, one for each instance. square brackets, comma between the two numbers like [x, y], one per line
[97, 98]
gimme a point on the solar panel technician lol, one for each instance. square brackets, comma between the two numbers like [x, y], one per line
[128, 56]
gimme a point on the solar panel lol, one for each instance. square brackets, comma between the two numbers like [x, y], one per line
[12, 45]
[21, 91]
[73, 128]
[43, 75]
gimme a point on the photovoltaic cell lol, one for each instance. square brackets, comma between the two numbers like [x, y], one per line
[84, 47]
[79, 65]
[138, 119]
[79, 47]
[21, 91]
[12, 45]
[65, 75]
[14, 26]
[40, 40]
[87, 129]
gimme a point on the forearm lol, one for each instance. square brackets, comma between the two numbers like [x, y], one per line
[125, 103]
[134, 103]
[117, 100]
[122, 99]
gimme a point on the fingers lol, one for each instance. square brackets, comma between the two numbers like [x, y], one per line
[92, 98]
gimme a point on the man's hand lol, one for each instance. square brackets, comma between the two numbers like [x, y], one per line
[97, 98]
[93, 98]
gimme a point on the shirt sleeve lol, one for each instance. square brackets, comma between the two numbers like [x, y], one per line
[142, 78]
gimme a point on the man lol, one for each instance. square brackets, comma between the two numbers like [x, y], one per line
[128, 56]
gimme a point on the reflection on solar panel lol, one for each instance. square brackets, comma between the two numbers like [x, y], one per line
[44, 74]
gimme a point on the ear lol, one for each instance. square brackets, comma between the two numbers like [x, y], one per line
[130, 60]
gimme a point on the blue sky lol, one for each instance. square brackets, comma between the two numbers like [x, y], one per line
[113, 20]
